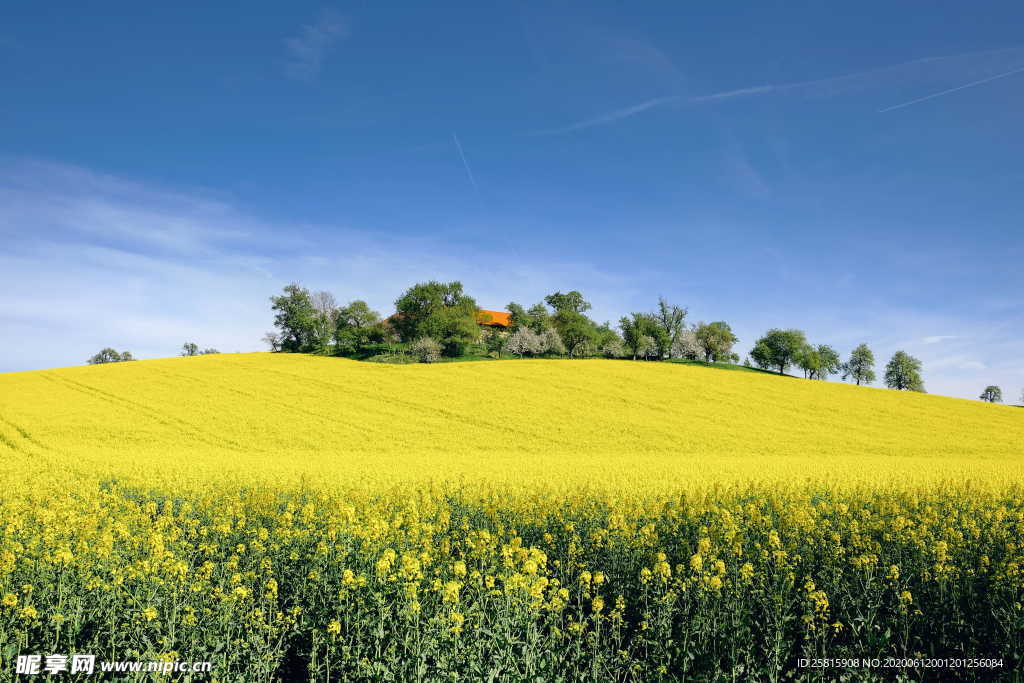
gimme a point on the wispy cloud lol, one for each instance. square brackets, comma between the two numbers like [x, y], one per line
[961, 361]
[307, 51]
[935, 339]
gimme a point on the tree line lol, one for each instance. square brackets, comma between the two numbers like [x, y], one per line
[435, 320]
[438, 320]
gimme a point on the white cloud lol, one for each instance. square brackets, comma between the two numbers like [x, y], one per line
[935, 339]
[307, 51]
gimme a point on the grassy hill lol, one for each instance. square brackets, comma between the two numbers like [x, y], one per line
[590, 422]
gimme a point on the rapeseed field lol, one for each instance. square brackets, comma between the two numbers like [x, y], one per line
[293, 517]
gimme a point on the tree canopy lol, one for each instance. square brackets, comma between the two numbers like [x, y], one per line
[779, 349]
[992, 394]
[642, 335]
[438, 310]
[109, 355]
[715, 340]
[573, 302]
[818, 362]
[295, 318]
[903, 372]
[671, 319]
[860, 366]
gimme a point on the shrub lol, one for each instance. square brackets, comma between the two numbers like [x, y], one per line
[425, 349]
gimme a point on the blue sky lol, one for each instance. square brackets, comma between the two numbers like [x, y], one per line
[852, 171]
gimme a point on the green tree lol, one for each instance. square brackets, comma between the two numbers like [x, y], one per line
[295, 317]
[356, 327]
[189, 349]
[572, 302]
[903, 372]
[496, 341]
[829, 362]
[715, 340]
[860, 366]
[575, 329]
[818, 362]
[357, 314]
[438, 310]
[517, 316]
[539, 318]
[778, 349]
[646, 347]
[672, 320]
[992, 394]
[607, 338]
[634, 328]
[109, 355]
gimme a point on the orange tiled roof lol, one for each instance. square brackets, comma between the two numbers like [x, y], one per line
[498, 318]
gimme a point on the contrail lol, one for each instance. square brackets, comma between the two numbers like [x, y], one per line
[742, 92]
[946, 92]
[610, 117]
[465, 163]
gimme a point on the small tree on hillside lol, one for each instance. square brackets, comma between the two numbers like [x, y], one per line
[576, 330]
[818, 362]
[273, 340]
[356, 327]
[672, 320]
[635, 328]
[109, 355]
[779, 349]
[295, 318]
[992, 394]
[860, 366]
[190, 349]
[715, 340]
[903, 373]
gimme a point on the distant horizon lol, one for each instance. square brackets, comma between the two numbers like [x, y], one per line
[165, 170]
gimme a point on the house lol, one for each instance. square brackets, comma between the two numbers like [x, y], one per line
[495, 319]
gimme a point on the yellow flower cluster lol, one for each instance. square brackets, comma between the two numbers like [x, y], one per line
[287, 516]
